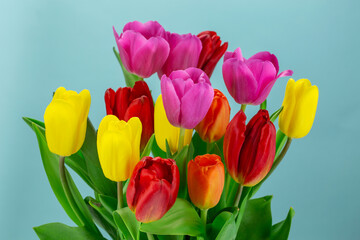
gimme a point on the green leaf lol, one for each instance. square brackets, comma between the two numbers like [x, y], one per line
[275, 115]
[168, 151]
[200, 148]
[130, 79]
[125, 219]
[148, 147]
[109, 203]
[181, 162]
[101, 210]
[156, 151]
[281, 230]
[59, 231]
[181, 219]
[228, 231]
[281, 139]
[256, 221]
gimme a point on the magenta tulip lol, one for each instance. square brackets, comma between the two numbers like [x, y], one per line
[187, 96]
[184, 52]
[142, 47]
[250, 81]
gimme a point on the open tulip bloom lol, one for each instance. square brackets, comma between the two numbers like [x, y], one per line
[183, 167]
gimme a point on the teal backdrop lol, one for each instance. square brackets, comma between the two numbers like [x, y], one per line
[46, 44]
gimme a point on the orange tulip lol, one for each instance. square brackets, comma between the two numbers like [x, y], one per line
[213, 126]
[205, 180]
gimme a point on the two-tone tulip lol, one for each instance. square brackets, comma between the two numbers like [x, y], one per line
[164, 131]
[213, 125]
[128, 102]
[211, 52]
[142, 47]
[299, 108]
[153, 188]
[118, 145]
[205, 179]
[249, 81]
[249, 150]
[66, 120]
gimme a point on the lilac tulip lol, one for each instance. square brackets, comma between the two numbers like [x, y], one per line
[250, 81]
[187, 96]
[142, 47]
[184, 52]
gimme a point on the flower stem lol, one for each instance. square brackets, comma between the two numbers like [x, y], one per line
[238, 196]
[203, 215]
[120, 195]
[243, 107]
[181, 139]
[279, 158]
[263, 104]
[150, 236]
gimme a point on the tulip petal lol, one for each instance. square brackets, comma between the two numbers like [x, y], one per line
[109, 101]
[171, 101]
[266, 56]
[286, 73]
[148, 29]
[236, 54]
[197, 75]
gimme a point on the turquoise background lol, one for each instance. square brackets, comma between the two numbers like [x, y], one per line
[46, 44]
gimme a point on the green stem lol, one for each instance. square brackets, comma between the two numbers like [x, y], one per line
[150, 236]
[243, 107]
[263, 104]
[120, 196]
[181, 139]
[279, 158]
[203, 215]
[238, 196]
[208, 147]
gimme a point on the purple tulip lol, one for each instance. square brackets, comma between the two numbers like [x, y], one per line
[184, 52]
[250, 81]
[142, 47]
[187, 96]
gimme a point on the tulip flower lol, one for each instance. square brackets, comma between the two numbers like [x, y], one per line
[142, 47]
[250, 81]
[213, 126]
[66, 120]
[211, 52]
[118, 145]
[187, 96]
[184, 53]
[205, 180]
[299, 108]
[153, 188]
[165, 131]
[249, 150]
[128, 102]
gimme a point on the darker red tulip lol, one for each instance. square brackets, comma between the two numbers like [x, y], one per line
[249, 150]
[153, 188]
[129, 102]
[211, 52]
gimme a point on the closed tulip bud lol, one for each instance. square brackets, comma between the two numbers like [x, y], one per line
[118, 145]
[128, 102]
[299, 108]
[65, 121]
[205, 179]
[249, 150]
[153, 188]
[213, 126]
[165, 131]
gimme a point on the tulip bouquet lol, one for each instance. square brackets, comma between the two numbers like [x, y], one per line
[179, 168]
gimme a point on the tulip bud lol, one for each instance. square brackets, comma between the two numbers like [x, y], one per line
[118, 145]
[165, 131]
[249, 150]
[128, 102]
[299, 108]
[187, 96]
[153, 188]
[65, 121]
[211, 52]
[213, 126]
[205, 180]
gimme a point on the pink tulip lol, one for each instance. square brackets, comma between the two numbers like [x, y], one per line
[250, 81]
[142, 47]
[187, 96]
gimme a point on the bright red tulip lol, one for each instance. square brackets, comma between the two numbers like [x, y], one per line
[211, 52]
[249, 150]
[128, 102]
[153, 188]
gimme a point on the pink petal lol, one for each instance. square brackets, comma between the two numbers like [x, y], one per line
[197, 75]
[266, 56]
[171, 101]
[148, 29]
[286, 73]
[236, 54]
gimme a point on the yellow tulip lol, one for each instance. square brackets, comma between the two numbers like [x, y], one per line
[118, 144]
[164, 130]
[298, 114]
[65, 121]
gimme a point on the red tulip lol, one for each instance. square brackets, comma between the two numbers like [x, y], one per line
[153, 188]
[249, 150]
[211, 52]
[128, 102]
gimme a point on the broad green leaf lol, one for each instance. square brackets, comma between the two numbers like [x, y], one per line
[181, 162]
[256, 221]
[169, 237]
[109, 203]
[125, 218]
[199, 145]
[181, 219]
[156, 151]
[130, 79]
[59, 231]
[228, 231]
[168, 151]
[147, 149]
[281, 230]
[281, 139]
[101, 210]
